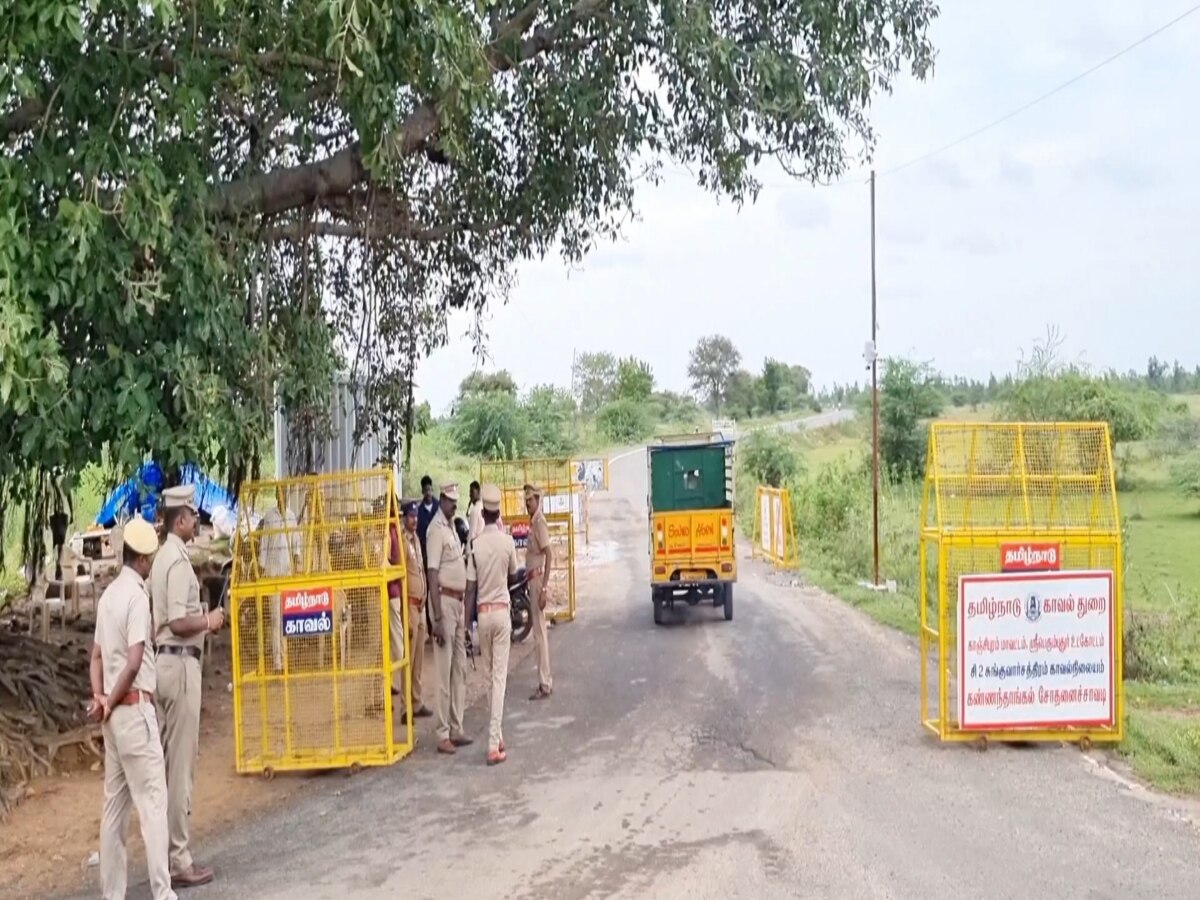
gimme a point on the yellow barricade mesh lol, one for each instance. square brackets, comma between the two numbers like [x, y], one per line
[316, 643]
[996, 488]
[552, 475]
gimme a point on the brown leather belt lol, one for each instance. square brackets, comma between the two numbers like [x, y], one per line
[415, 601]
[133, 698]
[176, 650]
[452, 593]
[494, 604]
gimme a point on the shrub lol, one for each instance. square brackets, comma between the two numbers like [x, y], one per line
[550, 419]
[771, 458]
[623, 421]
[491, 425]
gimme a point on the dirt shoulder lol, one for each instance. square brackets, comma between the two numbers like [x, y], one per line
[48, 839]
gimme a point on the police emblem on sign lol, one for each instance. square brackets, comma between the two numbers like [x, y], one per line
[1033, 607]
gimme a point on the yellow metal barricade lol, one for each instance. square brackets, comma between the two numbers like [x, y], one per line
[560, 581]
[774, 532]
[312, 625]
[1021, 591]
[551, 475]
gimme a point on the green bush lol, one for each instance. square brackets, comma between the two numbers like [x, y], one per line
[1072, 395]
[909, 398]
[550, 419]
[491, 425]
[771, 458]
[623, 421]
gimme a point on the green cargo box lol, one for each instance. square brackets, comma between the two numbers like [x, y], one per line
[691, 476]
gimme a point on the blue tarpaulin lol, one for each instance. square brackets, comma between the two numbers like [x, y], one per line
[140, 494]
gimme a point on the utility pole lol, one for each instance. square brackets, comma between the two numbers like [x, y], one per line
[874, 398]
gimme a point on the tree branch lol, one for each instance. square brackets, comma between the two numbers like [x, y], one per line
[21, 119]
[297, 186]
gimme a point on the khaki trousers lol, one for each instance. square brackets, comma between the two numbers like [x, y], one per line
[416, 646]
[450, 663]
[396, 639]
[495, 639]
[134, 775]
[541, 640]
[178, 699]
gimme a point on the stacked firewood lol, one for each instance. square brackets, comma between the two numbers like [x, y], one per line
[43, 691]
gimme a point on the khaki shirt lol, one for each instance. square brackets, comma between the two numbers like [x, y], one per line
[122, 620]
[175, 590]
[475, 520]
[415, 563]
[444, 553]
[539, 541]
[492, 561]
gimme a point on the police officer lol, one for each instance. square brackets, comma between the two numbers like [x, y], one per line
[123, 685]
[538, 560]
[414, 561]
[447, 579]
[180, 624]
[474, 515]
[492, 567]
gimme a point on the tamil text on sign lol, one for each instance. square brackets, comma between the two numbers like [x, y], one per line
[1036, 650]
[307, 611]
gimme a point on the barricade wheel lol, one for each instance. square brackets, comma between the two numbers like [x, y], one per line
[1085, 743]
[268, 774]
[355, 768]
[982, 743]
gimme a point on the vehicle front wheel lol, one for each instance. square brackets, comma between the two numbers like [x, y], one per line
[728, 602]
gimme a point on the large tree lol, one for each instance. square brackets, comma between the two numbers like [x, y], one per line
[209, 206]
[712, 365]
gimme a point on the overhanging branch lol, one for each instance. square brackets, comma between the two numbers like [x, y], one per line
[294, 187]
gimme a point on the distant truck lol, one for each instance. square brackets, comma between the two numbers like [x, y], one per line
[691, 523]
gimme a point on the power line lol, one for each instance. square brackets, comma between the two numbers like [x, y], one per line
[1046, 96]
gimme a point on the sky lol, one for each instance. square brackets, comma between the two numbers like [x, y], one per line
[1076, 214]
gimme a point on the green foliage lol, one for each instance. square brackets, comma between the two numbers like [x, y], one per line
[909, 397]
[713, 362]
[491, 425]
[1187, 475]
[771, 458]
[740, 394]
[550, 414]
[206, 208]
[594, 376]
[623, 422]
[487, 383]
[635, 380]
[1072, 395]
[675, 409]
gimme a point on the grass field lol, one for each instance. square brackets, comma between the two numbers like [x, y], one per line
[1162, 583]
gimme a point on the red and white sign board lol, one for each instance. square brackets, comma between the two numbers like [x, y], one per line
[1036, 650]
[1030, 557]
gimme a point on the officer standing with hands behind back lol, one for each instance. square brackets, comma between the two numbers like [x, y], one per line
[492, 566]
[538, 560]
[123, 686]
[180, 624]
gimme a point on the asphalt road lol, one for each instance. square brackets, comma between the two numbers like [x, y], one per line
[777, 755]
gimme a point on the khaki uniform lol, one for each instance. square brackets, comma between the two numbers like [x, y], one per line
[134, 772]
[536, 555]
[475, 520]
[175, 592]
[417, 588]
[493, 560]
[450, 658]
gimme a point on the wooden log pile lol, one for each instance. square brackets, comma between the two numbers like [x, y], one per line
[43, 691]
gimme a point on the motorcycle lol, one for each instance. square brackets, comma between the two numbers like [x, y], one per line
[520, 607]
